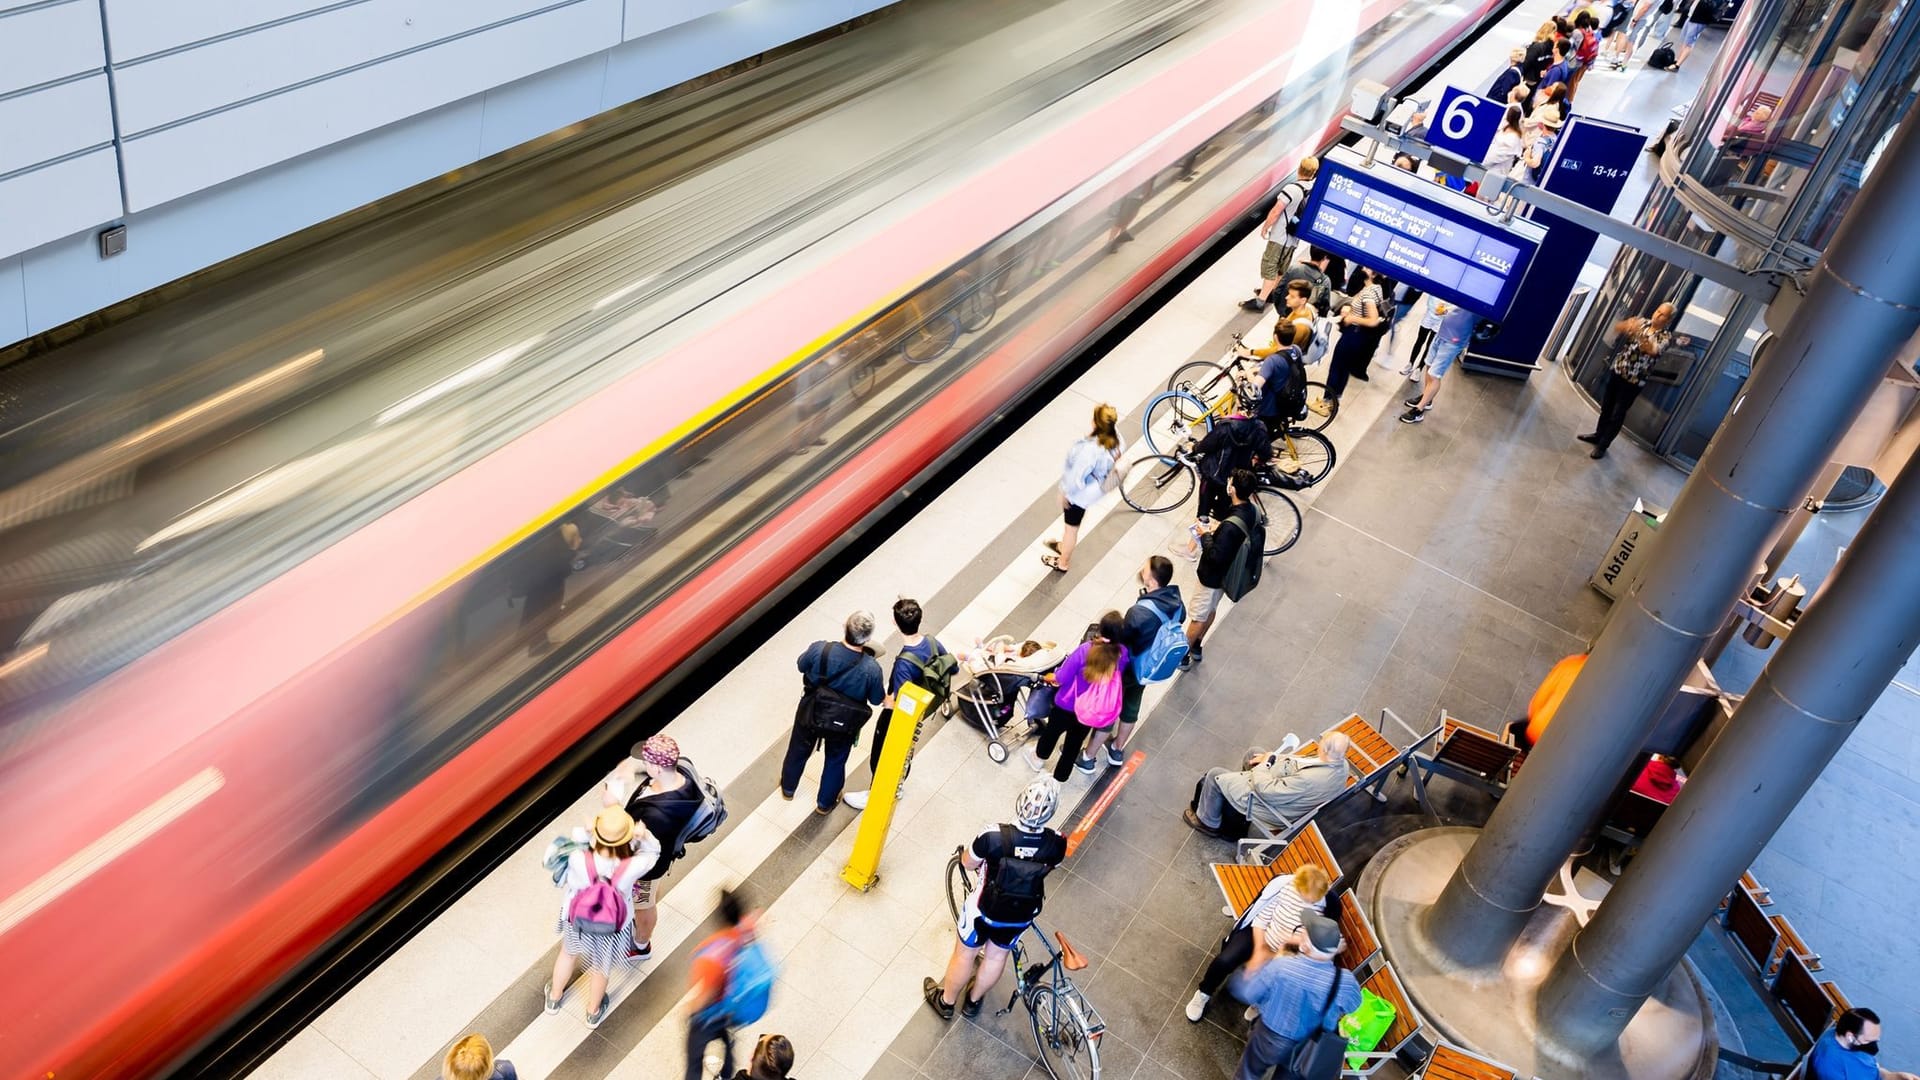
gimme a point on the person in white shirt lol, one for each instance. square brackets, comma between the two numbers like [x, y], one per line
[617, 851]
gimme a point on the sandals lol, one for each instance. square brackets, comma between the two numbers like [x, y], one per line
[1053, 562]
[1051, 545]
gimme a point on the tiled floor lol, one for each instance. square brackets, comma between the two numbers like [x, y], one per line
[1442, 566]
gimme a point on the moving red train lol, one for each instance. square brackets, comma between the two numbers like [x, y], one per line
[188, 820]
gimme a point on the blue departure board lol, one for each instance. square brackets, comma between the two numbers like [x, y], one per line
[1415, 231]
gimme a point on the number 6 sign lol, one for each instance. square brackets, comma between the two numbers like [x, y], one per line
[1464, 124]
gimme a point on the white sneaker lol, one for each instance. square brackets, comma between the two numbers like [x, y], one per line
[856, 799]
[1288, 745]
[1033, 759]
[1197, 1007]
[1251, 1014]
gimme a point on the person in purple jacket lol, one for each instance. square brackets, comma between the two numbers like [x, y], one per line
[1087, 703]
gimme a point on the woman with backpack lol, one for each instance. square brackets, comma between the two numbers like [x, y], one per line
[596, 923]
[1087, 702]
[662, 800]
[1011, 863]
[1084, 480]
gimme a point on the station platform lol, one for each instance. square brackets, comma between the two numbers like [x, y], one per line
[1441, 566]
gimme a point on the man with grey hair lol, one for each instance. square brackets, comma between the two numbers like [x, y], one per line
[1295, 992]
[840, 685]
[1274, 789]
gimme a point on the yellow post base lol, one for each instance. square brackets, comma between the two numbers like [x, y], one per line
[863, 867]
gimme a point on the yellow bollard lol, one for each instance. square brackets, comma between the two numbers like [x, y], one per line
[863, 867]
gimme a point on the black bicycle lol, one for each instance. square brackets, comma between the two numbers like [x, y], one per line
[1066, 1027]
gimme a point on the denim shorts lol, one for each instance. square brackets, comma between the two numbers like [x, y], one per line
[1692, 33]
[1442, 354]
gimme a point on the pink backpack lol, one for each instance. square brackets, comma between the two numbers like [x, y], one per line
[598, 908]
[1097, 705]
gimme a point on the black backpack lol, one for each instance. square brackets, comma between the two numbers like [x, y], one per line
[1016, 890]
[1663, 57]
[824, 710]
[1244, 566]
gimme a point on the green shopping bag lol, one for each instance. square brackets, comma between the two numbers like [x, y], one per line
[1365, 1026]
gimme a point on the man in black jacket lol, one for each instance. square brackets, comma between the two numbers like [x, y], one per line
[1159, 601]
[1222, 540]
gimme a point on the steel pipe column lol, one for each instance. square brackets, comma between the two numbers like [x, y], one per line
[1849, 645]
[1862, 303]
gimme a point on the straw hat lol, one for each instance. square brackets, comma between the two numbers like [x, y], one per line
[612, 827]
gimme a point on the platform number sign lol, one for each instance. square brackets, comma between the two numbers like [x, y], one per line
[1464, 124]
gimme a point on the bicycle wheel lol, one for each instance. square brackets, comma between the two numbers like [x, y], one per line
[1280, 516]
[976, 309]
[1067, 1051]
[959, 885]
[930, 339]
[1173, 417]
[1310, 452]
[1313, 421]
[1157, 484]
[864, 377]
[1204, 379]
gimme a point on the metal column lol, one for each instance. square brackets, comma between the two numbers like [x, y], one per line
[1848, 646]
[1862, 303]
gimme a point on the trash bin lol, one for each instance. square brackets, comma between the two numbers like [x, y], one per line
[1626, 557]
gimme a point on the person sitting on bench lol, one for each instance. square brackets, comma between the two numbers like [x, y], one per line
[1273, 789]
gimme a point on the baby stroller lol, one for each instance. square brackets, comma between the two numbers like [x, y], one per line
[1006, 696]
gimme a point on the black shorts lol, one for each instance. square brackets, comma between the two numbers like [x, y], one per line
[1074, 515]
[983, 932]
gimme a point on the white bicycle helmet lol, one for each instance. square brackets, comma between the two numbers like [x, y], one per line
[1034, 807]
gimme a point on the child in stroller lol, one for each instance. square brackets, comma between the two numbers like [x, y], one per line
[1008, 679]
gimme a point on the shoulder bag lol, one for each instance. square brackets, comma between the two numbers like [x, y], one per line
[1323, 1052]
[826, 711]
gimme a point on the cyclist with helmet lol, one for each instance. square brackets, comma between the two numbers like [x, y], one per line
[1005, 899]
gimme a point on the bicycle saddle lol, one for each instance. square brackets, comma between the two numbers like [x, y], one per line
[1070, 957]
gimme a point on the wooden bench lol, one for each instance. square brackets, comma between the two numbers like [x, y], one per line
[1751, 930]
[1359, 943]
[1811, 1004]
[1452, 1063]
[1372, 760]
[1466, 753]
[1790, 942]
[1406, 1024]
[1240, 883]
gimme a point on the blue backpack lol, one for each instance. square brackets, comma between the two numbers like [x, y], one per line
[749, 985]
[1159, 661]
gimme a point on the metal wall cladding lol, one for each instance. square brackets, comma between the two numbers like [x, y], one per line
[57, 171]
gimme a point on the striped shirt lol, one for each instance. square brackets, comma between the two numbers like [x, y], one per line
[1277, 911]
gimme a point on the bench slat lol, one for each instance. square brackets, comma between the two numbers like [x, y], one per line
[1448, 1063]
[1385, 984]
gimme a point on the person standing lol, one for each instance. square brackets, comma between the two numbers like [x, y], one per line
[1159, 603]
[1507, 146]
[1083, 481]
[1849, 1050]
[1453, 335]
[1539, 54]
[1010, 863]
[1514, 75]
[1641, 343]
[712, 973]
[912, 664]
[1285, 216]
[1362, 319]
[841, 682]
[472, 1059]
[1296, 994]
[1088, 700]
[1220, 544]
[1431, 316]
[772, 1059]
[599, 933]
[1703, 14]
[661, 798]
[1275, 914]
[1562, 68]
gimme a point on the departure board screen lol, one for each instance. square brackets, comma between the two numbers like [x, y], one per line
[1415, 231]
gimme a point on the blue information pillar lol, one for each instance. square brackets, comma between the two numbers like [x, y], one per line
[1590, 166]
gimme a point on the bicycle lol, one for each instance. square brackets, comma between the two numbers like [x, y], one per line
[1179, 417]
[1066, 1027]
[1160, 483]
[1208, 379]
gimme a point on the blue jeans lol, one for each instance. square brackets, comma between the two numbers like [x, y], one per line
[1265, 1050]
[833, 773]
